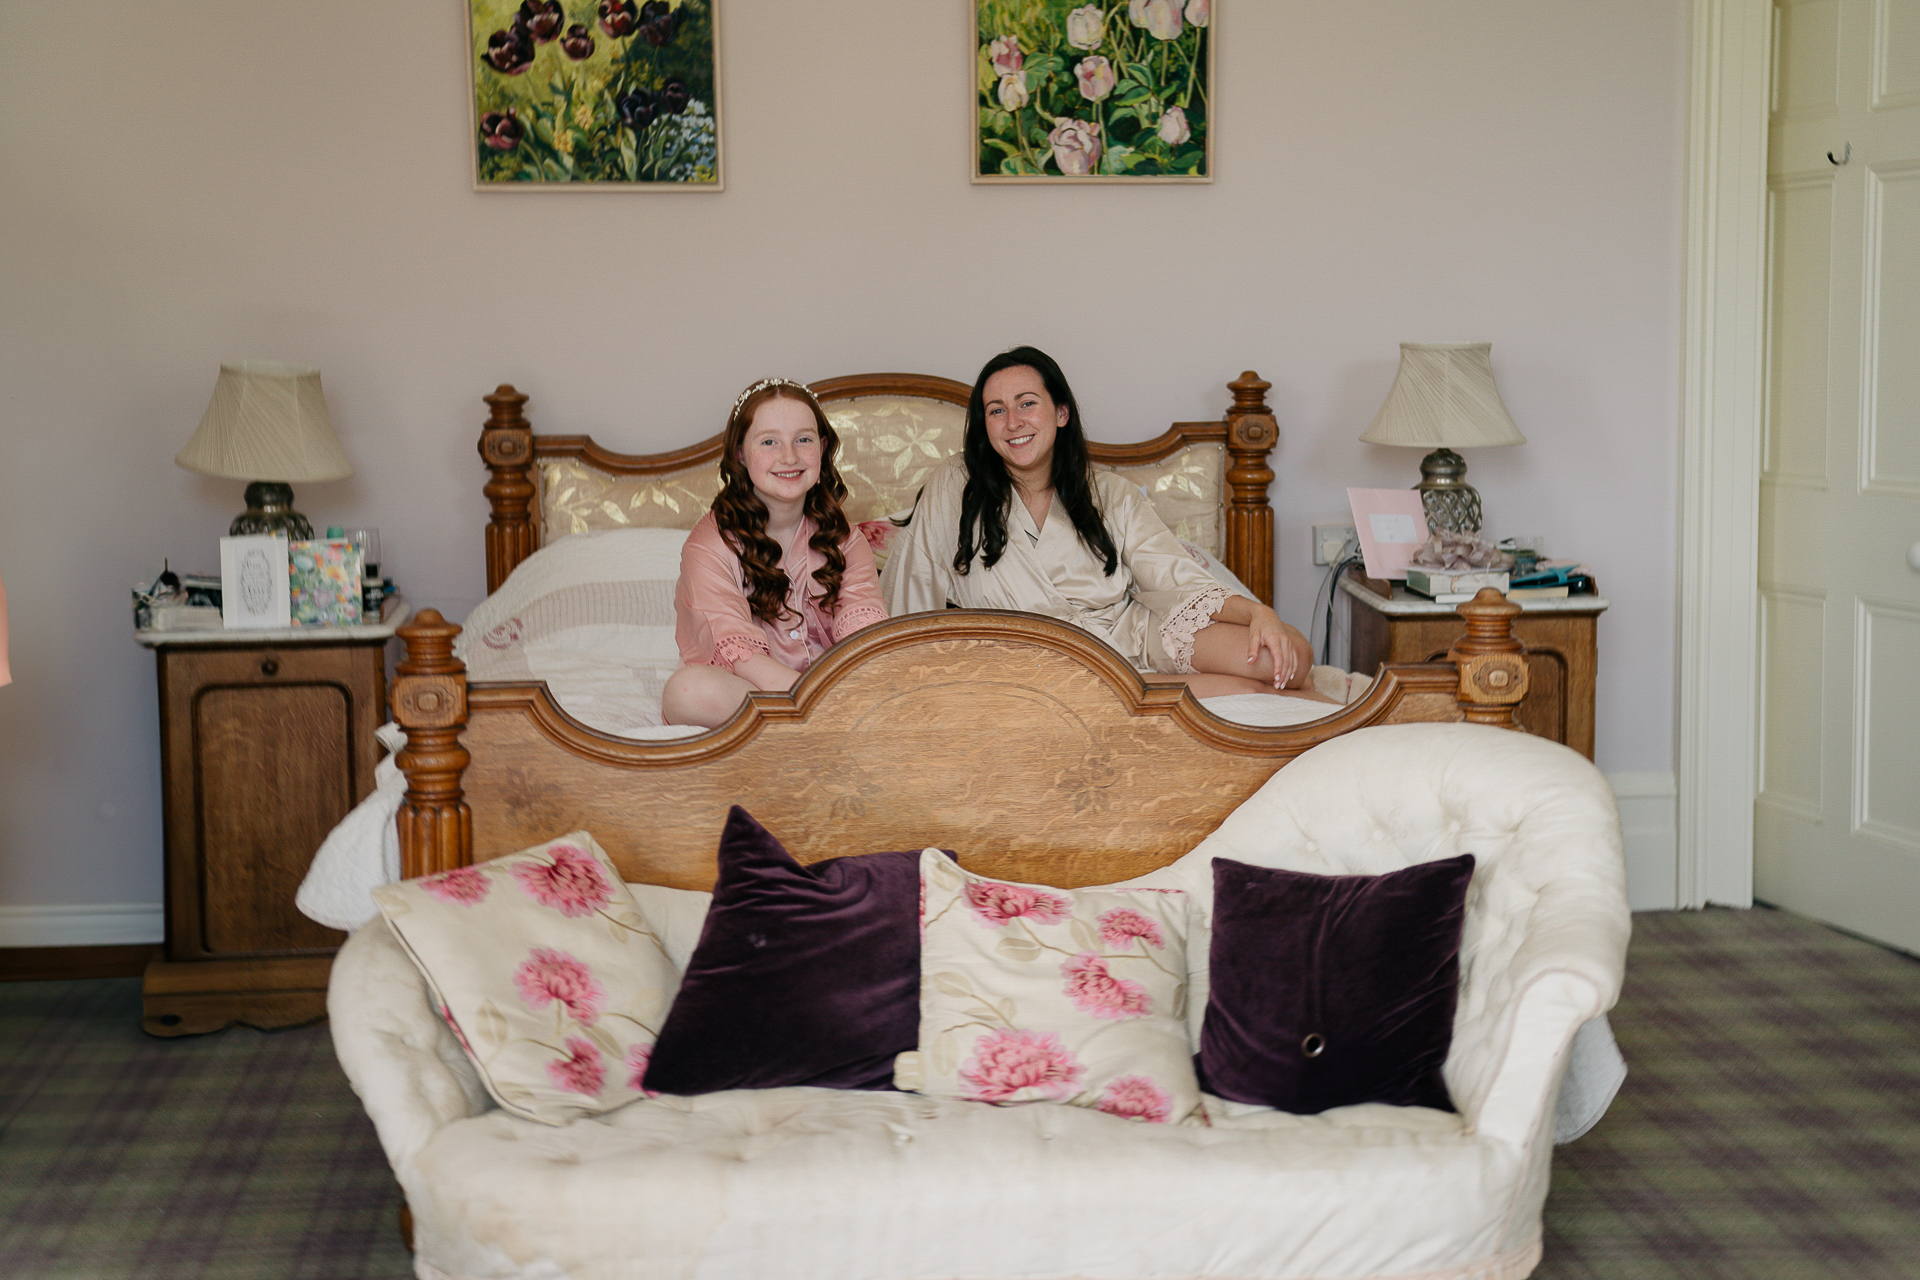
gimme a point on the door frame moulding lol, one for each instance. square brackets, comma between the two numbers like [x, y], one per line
[1723, 405]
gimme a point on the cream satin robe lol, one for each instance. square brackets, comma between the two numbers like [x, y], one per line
[1149, 609]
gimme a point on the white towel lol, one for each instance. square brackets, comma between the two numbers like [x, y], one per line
[363, 852]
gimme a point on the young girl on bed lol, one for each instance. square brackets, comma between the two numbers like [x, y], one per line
[772, 575]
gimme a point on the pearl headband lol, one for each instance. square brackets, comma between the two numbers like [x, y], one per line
[763, 384]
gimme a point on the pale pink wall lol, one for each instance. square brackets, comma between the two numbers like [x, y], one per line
[218, 180]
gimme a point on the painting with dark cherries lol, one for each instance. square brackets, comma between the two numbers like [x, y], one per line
[602, 93]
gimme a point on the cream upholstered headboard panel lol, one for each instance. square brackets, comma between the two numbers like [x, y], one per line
[888, 445]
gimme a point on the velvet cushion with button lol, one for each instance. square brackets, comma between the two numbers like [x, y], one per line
[804, 975]
[1330, 991]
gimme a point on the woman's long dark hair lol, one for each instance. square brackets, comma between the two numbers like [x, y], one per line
[743, 517]
[984, 503]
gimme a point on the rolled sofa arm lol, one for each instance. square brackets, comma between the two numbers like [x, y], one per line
[400, 1058]
[1532, 1057]
[1565, 970]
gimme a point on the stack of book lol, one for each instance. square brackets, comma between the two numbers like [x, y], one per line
[1449, 587]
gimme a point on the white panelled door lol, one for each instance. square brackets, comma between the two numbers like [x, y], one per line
[1837, 822]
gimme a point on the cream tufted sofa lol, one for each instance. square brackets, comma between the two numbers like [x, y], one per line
[804, 1184]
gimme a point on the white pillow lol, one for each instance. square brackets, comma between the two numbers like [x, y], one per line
[1032, 994]
[608, 584]
[550, 976]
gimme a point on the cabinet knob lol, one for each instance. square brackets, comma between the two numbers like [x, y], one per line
[269, 667]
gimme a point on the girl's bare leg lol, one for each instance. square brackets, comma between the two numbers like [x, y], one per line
[702, 695]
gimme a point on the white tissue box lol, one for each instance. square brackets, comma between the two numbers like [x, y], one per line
[185, 617]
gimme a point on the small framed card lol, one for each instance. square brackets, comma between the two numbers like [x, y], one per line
[1392, 525]
[253, 582]
[325, 582]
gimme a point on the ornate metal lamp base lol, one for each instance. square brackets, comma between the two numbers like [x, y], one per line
[1450, 502]
[270, 510]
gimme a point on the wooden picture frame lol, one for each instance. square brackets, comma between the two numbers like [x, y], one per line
[619, 95]
[1076, 91]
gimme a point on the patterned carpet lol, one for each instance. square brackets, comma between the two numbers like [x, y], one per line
[1770, 1129]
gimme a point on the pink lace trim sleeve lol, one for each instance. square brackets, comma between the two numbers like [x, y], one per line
[848, 621]
[1193, 613]
[730, 649]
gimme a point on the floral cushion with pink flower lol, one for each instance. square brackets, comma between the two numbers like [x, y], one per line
[553, 981]
[1032, 994]
[881, 532]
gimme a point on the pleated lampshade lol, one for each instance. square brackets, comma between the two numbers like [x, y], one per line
[1444, 395]
[267, 421]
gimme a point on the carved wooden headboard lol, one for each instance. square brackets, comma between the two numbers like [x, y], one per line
[1208, 480]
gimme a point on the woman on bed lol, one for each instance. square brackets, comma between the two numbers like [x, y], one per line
[1078, 545]
[772, 575]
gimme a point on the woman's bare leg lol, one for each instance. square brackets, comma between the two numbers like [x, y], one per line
[702, 695]
[1220, 664]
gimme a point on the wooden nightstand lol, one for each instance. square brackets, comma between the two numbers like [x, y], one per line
[1561, 654]
[266, 741]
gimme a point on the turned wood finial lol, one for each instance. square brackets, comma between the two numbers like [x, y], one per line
[506, 446]
[430, 703]
[1492, 661]
[1251, 436]
[1250, 392]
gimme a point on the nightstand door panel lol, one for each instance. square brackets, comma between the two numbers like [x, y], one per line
[276, 774]
[265, 749]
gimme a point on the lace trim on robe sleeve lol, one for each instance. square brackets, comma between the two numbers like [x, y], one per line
[848, 621]
[731, 649]
[1195, 612]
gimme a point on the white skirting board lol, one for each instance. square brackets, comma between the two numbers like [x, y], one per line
[1649, 825]
[1647, 822]
[107, 924]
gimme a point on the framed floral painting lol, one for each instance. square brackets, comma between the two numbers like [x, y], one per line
[1093, 90]
[608, 94]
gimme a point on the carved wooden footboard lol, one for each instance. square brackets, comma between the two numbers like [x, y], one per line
[1020, 740]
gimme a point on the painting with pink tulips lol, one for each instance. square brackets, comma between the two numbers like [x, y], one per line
[1120, 89]
[606, 92]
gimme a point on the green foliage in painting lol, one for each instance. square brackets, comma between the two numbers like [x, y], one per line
[1078, 89]
[595, 91]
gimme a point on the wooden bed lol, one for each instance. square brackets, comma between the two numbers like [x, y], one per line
[1025, 743]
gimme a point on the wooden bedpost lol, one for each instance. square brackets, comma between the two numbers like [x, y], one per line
[506, 446]
[1251, 435]
[1493, 664]
[430, 703]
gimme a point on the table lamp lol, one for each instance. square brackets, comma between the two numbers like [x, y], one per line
[1444, 399]
[267, 424]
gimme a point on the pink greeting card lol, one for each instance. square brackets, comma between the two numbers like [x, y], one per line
[1392, 524]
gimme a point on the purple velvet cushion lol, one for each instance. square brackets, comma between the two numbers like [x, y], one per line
[804, 975]
[1328, 991]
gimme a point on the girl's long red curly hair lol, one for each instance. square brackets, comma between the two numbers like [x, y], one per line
[742, 517]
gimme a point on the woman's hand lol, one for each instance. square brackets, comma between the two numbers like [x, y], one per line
[1266, 632]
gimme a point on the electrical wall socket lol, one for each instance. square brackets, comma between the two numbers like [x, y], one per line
[1328, 539]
